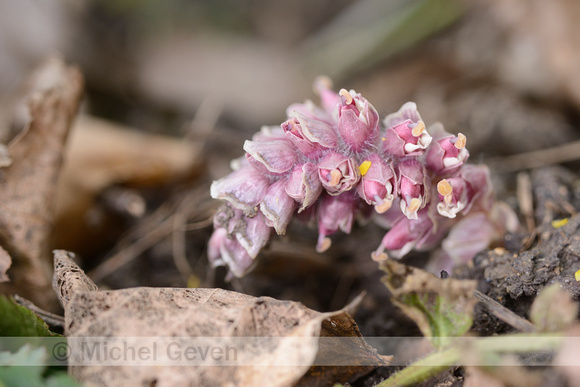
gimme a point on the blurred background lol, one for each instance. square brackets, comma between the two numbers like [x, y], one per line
[205, 75]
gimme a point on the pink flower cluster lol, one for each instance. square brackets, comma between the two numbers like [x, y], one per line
[337, 162]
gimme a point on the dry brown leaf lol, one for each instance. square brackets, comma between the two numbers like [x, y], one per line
[202, 313]
[5, 262]
[27, 186]
[101, 154]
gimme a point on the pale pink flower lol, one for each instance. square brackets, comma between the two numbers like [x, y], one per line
[338, 173]
[405, 134]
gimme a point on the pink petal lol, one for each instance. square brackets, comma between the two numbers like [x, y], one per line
[294, 132]
[407, 112]
[253, 234]
[468, 237]
[337, 173]
[316, 129]
[328, 97]
[277, 155]
[243, 188]
[303, 185]
[358, 121]
[278, 207]
[334, 212]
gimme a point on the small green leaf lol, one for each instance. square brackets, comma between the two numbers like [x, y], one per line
[18, 321]
[29, 369]
[442, 308]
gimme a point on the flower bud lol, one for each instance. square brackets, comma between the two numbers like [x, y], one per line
[328, 97]
[358, 121]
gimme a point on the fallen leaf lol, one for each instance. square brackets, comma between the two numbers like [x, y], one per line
[442, 308]
[5, 262]
[28, 185]
[553, 310]
[291, 332]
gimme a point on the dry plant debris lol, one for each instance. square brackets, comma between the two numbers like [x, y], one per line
[28, 185]
[173, 312]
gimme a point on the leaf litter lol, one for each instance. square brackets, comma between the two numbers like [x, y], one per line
[172, 312]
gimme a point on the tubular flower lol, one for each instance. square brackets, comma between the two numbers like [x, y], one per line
[404, 236]
[337, 173]
[303, 185]
[448, 152]
[405, 134]
[334, 212]
[332, 164]
[378, 185]
[413, 188]
[294, 131]
[237, 239]
[358, 121]
[452, 196]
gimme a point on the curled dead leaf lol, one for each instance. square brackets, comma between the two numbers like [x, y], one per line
[287, 333]
[28, 185]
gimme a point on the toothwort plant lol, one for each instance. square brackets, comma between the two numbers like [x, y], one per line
[337, 162]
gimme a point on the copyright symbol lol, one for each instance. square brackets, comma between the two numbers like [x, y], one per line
[61, 351]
